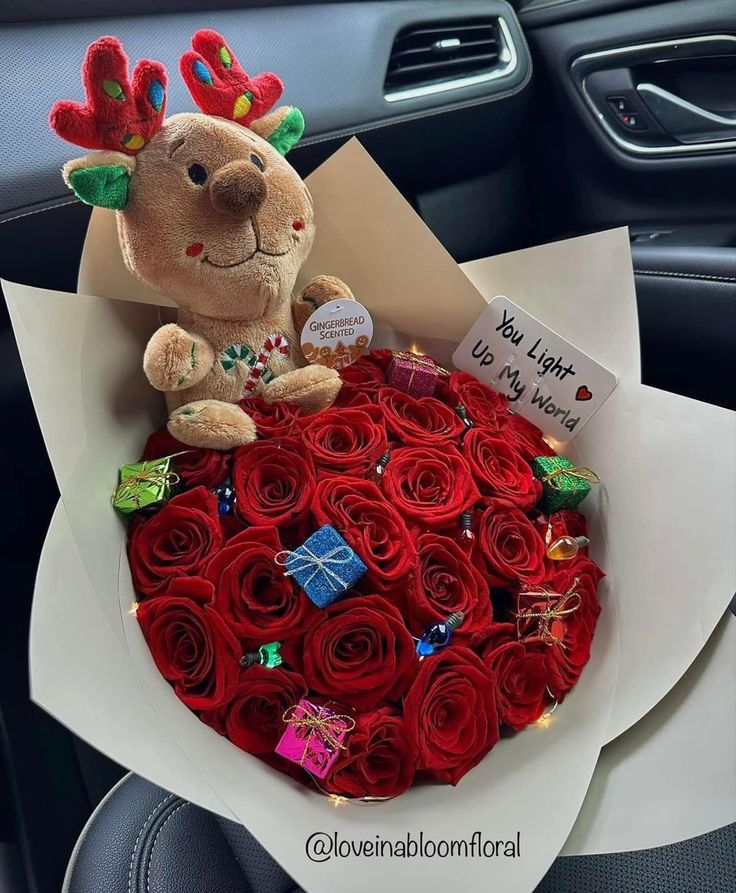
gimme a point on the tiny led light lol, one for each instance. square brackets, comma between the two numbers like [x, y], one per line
[337, 800]
[134, 609]
[546, 718]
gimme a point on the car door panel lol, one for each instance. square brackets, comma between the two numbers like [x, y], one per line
[674, 184]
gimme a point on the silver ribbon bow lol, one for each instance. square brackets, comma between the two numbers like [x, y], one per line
[320, 564]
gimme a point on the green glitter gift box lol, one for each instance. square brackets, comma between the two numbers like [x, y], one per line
[564, 484]
[145, 485]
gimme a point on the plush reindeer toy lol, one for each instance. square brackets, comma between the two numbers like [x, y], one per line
[212, 215]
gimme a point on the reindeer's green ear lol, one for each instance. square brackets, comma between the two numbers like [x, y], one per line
[283, 128]
[101, 180]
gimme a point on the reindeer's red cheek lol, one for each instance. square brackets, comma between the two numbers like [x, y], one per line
[194, 249]
[298, 224]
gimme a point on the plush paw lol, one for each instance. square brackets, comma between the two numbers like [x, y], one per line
[317, 292]
[312, 388]
[175, 360]
[212, 424]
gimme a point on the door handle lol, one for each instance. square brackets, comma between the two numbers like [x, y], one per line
[685, 121]
[664, 124]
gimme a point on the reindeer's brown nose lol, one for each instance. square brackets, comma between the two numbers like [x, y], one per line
[238, 189]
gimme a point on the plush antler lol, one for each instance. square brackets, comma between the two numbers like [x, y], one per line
[219, 85]
[118, 115]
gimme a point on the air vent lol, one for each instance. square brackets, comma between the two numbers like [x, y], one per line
[430, 58]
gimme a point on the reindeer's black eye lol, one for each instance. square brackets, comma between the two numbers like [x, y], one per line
[258, 161]
[197, 174]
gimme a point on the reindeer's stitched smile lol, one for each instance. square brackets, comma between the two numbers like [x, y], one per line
[258, 250]
[238, 263]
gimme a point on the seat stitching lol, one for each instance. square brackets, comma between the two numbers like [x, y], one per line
[71, 201]
[155, 839]
[140, 834]
[705, 276]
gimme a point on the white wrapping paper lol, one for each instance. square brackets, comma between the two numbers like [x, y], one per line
[82, 360]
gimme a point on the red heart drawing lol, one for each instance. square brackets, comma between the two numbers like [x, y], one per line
[583, 393]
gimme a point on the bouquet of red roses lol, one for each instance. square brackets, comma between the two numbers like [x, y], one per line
[470, 613]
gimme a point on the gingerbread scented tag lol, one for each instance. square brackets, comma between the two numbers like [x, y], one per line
[337, 334]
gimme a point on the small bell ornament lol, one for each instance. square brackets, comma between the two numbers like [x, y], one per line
[438, 634]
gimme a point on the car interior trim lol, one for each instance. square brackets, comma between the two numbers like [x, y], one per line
[509, 58]
[587, 63]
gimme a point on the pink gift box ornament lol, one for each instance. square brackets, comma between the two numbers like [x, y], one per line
[414, 374]
[314, 736]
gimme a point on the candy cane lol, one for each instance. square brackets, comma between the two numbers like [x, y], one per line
[274, 343]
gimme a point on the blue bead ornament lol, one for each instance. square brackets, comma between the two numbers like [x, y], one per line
[324, 566]
[438, 635]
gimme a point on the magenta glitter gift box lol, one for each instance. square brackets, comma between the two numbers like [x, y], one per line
[313, 737]
[414, 374]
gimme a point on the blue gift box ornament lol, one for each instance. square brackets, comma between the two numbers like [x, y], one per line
[324, 566]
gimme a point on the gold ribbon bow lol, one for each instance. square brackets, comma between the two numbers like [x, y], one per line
[328, 726]
[129, 488]
[558, 606]
[576, 471]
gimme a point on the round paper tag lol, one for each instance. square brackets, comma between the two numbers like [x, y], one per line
[337, 333]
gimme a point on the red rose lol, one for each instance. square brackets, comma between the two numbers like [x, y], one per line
[499, 634]
[277, 419]
[446, 581]
[565, 523]
[345, 441]
[191, 645]
[588, 576]
[259, 603]
[368, 372]
[526, 437]
[484, 405]
[417, 422]
[379, 760]
[430, 485]
[370, 525]
[504, 479]
[450, 713]
[175, 542]
[566, 659]
[512, 547]
[205, 468]
[360, 652]
[521, 682]
[273, 482]
[349, 396]
[254, 716]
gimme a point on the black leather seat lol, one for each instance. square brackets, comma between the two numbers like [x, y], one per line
[142, 839]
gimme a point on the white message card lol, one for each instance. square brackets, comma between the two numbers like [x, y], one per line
[547, 380]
